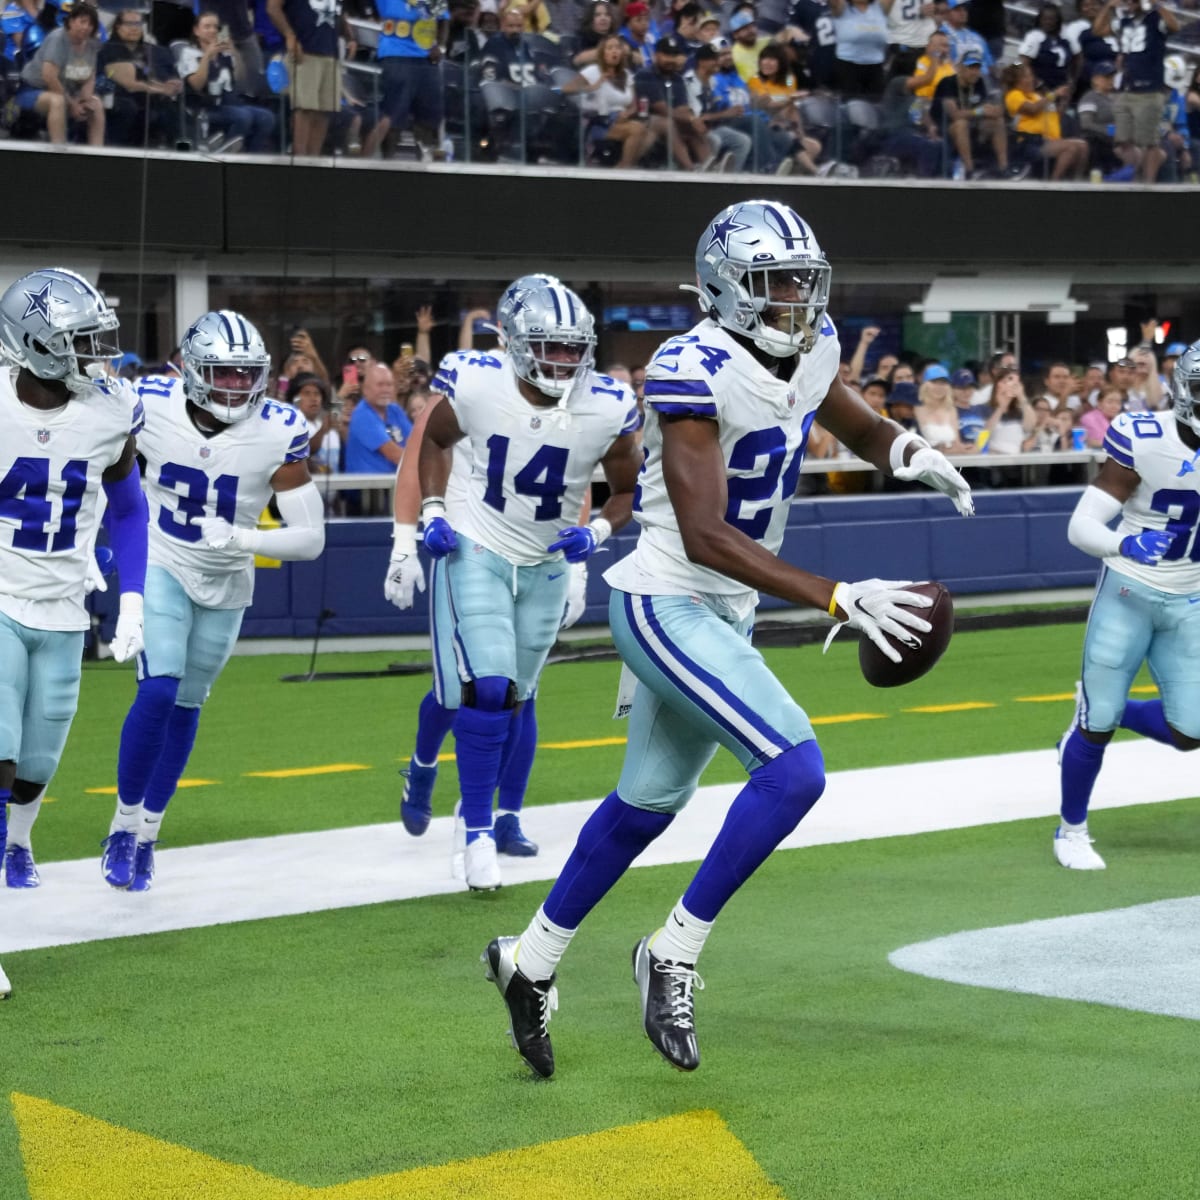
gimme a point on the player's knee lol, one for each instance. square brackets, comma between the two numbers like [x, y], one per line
[1095, 736]
[158, 693]
[491, 693]
[797, 780]
[25, 791]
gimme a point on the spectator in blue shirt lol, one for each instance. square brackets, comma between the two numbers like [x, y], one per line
[379, 427]
[963, 40]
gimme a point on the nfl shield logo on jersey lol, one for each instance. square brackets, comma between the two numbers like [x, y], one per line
[791, 399]
[43, 436]
[535, 422]
[205, 451]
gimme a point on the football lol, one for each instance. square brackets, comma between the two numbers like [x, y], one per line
[879, 670]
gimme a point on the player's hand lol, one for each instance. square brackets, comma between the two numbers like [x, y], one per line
[99, 565]
[218, 534]
[576, 595]
[1147, 547]
[129, 639]
[872, 606]
[440, 538]
[578, 543]
[933, 469]
[405, 577]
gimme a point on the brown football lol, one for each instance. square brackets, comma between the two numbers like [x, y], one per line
[879, 670]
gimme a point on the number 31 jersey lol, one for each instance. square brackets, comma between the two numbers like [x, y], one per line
[763, 423]
[51, 464]
[190, 476]
[530, 466]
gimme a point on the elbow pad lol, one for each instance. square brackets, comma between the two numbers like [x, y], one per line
[1088, 530]
[304, 515]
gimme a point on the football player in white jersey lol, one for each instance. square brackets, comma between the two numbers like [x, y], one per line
[215, 451]
[537, 421]
[66, 430]
[728, 410]
[1147, 604]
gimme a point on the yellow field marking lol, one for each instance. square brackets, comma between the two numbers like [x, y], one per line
[1052, 697]
[842, 718]
[584, 745]
[293, 772]
[966, 706]
[183, 783]
[71, 1156]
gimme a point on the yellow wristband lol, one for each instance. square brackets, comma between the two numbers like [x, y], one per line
[833, 602]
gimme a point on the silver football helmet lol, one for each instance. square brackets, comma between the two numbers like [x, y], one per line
[548, 332]
[761, 273]
[225, 365]
[58, 327]
[1185, 388]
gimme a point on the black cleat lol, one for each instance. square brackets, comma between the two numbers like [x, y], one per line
[529, 1005]
[668, 1007]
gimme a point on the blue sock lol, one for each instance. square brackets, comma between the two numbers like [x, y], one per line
[5, 797]
[517, 761]
[611, 838]
[773, 802]
[434, 721]
[1146, 717]
[181, 737]
[479, 736]
[1081, 763]
[143, 735]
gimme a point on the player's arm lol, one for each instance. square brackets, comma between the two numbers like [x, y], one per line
[442, 434]
[300, 507]
[621, 464]
[128, 520]
[405, 576]
[889, 447]
[1101, 503]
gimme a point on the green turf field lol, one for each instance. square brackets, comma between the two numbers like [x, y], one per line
[341, 1050]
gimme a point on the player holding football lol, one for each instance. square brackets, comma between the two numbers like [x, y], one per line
[66, 430]
[1147, 605]
[728, 410]
[537, 421]
[215, 451]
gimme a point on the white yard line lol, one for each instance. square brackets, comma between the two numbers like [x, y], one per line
[294, 873]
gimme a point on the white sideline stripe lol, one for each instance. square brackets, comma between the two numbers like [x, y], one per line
[296, 873]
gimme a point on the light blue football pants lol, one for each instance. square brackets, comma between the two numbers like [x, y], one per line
[39, 692]
[184, 639]
[1131, 623]
[701, 684]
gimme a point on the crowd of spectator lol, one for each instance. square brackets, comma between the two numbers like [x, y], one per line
[932, 88]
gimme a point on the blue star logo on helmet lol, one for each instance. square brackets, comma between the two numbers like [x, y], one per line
[722, 230]
[39, 302]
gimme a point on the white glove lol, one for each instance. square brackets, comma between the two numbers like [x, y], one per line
[94, 581]
[405, 575]
[218, 534]
[933, 469]
[129, 639]
[576, 594]
[872, 606]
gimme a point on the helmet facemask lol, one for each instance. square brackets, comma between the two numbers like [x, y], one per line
[549, 335]
[225, 366]
[789, 301]
[1185, 389]
[552, 365]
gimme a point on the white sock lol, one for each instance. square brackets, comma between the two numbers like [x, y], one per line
[20, 822]
[1067, 827]
[682, 938]
[148, 832]
[419, 763]
[541, 947]
[127, 818]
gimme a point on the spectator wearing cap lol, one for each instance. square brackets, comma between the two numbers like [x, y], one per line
[1171, 356]
[968, 122]
[1142, 33]
[721, 119]
[708, 27]
[1038, 129]
[937, 416]
[59, 81]
[1096, 113]
[972, 417]
[636, 31]
[964, 40]
[748, 43]
[662, 89]
[310, 395]
[598, 22]
[902, 403]
[910, 26]
[862, 43]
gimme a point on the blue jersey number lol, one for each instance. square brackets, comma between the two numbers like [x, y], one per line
[25, 497]
[1186, 505]
[746, 455]
[154, 385]
[192, 486]
[544, 475]
[712, 358]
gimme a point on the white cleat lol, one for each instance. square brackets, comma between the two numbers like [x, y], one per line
[1073, 849]
[482, 866]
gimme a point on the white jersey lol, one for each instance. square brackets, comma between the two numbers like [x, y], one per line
[51, 464]
[763, 422]
[190, 476]
[1168, 497]
[906, 26]
[530, 466]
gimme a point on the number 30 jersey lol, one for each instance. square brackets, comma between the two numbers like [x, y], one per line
[51, 464]
[1168, 497]
[763, 423]
[530, 466]
[190, 476]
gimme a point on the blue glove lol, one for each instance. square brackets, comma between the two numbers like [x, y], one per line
[1148, 546]
[578, 543]
[440, 539]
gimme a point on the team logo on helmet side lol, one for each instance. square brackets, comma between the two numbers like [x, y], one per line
[39, 302]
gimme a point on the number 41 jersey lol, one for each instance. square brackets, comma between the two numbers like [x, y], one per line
[228, 475]
[763, 423]
[51, 464]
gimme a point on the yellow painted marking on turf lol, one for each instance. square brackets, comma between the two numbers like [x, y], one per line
[71, 1156]
[293, 772]
[842, 718]
[1052, 697]
[966, 706]
[584, 745]
[183, 783]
